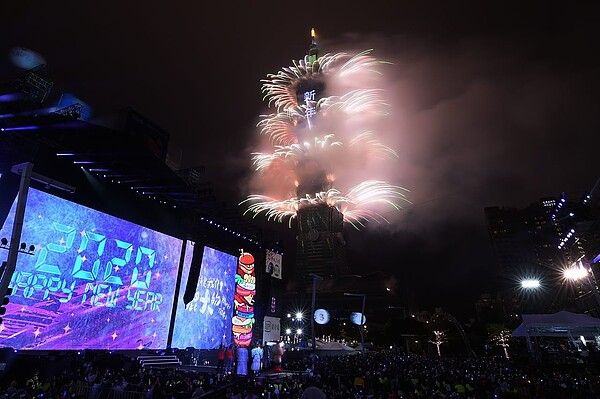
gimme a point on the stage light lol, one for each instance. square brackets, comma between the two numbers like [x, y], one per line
[4, 302]
[7, 129]
[530, 283]
[575, 273]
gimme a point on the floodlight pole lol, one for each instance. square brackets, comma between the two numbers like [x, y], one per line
[17, 228]
[362, 317]
[315, 278]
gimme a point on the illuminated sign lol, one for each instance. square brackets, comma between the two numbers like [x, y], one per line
[245, 290]
[273, 262]
[358, 318]
[271, 329]
[321, 316]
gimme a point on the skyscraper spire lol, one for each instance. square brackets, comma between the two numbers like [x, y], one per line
[313, 50]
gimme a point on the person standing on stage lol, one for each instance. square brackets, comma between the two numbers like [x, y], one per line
[220, 359]
[266, 362]
[242, 360]
[277, 353]
[229, 359]
[257, 354]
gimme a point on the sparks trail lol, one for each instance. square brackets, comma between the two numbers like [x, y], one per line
[324, 140]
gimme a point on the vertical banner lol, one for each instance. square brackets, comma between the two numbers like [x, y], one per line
[245, 290]
[273, 264]
[271, 329]
[274, 301]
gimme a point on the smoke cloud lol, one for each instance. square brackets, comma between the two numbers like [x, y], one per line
[481, 121]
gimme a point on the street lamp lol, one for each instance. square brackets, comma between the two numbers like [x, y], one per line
[530, 284]
[530, 294]
[362, 319]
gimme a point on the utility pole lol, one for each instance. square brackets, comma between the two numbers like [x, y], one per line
[362, 319]
[27, 174]
[315, 278]
[15, 237]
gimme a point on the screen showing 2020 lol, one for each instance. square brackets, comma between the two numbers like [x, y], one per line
[93, 282]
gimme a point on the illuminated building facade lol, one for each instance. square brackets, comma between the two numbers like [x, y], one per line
[321, 248]
[539, 242]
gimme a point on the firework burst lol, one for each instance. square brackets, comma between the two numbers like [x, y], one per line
[322, 129]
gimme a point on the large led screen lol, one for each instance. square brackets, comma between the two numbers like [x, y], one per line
[93, 282]
[205, 322]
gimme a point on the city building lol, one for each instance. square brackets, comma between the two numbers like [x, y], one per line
[321, 248]
[534, 246]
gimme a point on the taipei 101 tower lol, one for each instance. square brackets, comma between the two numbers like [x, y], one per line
[321, 248]
[324, 142]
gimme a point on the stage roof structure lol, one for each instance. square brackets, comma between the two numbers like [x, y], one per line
[560, 324]
[62, 146]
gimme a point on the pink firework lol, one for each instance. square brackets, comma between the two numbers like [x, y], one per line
[323, 139]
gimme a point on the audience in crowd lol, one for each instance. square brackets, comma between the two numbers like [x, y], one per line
[374, 375]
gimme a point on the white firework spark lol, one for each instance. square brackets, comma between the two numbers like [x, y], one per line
[365, 142]
[294, 151]
[280, 88]
[279, 128]
[354, 205]
[356, 101]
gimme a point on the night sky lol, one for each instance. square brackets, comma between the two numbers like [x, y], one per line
[492, 104]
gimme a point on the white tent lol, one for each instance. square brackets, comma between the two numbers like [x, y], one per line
[333, 346]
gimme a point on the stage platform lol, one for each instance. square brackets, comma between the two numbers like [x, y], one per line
[268, 375]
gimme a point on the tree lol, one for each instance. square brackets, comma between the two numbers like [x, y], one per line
[440, 338]
[501, 338]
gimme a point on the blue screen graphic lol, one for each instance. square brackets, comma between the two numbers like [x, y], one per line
[93, 282]
[205, 322]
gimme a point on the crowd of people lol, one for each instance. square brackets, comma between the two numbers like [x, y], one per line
[105, 376]
[385, 374]
[373, 375]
